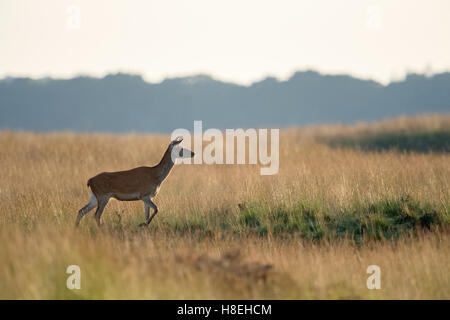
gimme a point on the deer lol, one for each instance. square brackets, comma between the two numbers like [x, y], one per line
[141, 183]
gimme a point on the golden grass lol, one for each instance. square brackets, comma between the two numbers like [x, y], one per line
[185, 254]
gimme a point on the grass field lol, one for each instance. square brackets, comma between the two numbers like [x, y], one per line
[345, 197]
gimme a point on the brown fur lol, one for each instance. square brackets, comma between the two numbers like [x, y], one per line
[140, 183]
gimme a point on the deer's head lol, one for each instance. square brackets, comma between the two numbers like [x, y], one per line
[178, 152]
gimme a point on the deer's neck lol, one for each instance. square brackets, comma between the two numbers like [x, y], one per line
[165, 165]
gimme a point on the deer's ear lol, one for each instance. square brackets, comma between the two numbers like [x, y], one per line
[177, 141]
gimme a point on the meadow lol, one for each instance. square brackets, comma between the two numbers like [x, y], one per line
[345, 197]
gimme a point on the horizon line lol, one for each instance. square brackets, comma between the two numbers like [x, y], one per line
[221, 79]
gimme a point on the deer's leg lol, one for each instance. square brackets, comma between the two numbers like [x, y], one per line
[147, 215]
[101, 206]
[149, 204]
[83, 211]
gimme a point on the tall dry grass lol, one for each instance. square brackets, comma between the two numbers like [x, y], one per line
[203, 244]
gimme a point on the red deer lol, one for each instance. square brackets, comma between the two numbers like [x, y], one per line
[140, 183]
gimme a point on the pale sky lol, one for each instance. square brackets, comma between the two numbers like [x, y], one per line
[232, 40]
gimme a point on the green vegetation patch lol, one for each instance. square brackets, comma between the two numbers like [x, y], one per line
[386, 219]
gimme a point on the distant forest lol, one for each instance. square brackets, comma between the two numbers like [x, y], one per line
[127, 103]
